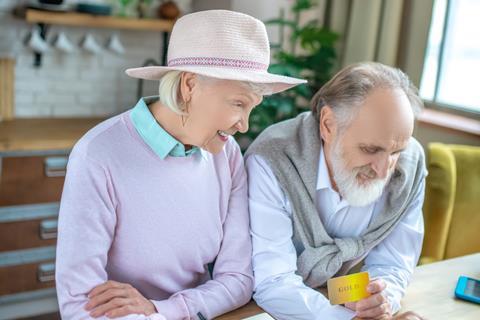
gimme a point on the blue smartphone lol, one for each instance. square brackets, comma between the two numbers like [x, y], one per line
[468, 289]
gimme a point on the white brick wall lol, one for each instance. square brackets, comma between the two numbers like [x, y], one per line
[78, 84]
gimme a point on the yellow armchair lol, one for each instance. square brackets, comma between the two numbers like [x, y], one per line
[452, 202]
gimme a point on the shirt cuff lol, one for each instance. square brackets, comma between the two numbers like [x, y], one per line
[393, 294]
[170, 309]
[394, 305]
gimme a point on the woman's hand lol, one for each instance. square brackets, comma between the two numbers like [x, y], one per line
[114, 299]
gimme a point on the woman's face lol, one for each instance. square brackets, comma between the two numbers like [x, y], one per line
[217, 109]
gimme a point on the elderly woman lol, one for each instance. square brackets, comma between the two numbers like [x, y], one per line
[154, 220]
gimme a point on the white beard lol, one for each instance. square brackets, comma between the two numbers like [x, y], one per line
[356, 194]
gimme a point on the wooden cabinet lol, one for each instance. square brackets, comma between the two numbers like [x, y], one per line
[33, 156]
[30, 189]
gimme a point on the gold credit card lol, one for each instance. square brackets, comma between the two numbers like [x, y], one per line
[350, 288]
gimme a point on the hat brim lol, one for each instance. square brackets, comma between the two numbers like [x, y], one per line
[276, 83]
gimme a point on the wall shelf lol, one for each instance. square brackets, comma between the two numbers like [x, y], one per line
[74, 19]
[88, 20]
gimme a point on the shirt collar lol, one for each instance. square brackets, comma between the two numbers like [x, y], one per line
[157, 138]
[323, 178]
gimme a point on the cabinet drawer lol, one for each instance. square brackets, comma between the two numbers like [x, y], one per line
[27, 234]
[27, 270]
[27, 277]
[31, 179]
[28, 226]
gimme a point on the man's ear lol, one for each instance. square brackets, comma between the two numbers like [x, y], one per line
[188, 81]
[328, 124]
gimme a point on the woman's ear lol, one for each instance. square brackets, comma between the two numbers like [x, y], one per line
[188, 81]
[328, 124]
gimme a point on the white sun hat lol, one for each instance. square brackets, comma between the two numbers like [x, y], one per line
[220, 44]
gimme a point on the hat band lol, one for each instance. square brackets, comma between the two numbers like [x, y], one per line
[217, 62]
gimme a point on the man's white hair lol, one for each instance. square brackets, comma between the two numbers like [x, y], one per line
[346, 91]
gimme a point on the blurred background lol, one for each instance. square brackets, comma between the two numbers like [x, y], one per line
[62, 71]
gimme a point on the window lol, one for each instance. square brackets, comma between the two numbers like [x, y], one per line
[451, 75]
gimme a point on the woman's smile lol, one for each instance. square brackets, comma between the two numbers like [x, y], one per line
[222, 135]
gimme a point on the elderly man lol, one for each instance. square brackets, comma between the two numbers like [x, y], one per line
[337, 188]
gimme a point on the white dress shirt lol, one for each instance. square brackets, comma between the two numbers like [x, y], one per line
[278, 289]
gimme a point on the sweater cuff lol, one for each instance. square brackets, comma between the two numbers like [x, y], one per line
[171, 309]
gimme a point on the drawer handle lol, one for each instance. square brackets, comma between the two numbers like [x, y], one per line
[55, 166]
[48, 229]
[46, 272]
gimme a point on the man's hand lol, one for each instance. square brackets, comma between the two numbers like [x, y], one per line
[374, 307]
[114, 299]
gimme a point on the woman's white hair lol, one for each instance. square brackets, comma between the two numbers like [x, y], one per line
[170, 94]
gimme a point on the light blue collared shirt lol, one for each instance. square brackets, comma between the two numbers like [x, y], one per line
[161, 142]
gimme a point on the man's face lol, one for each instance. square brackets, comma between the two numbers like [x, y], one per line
[363, 156]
